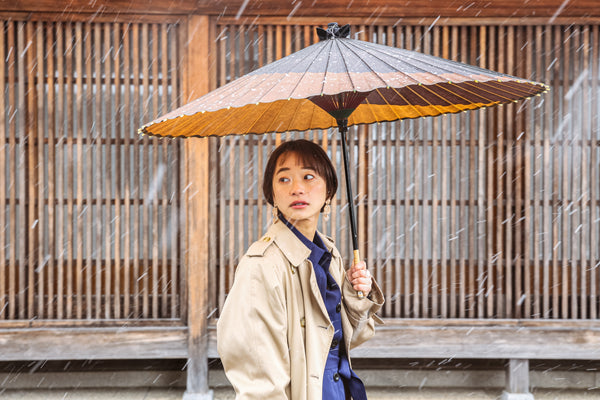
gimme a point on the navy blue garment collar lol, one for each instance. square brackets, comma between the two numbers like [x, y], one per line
[319, 255]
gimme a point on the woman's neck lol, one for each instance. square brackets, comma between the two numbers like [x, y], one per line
[306, 227]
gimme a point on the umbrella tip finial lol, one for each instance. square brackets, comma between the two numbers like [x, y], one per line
[333, 31]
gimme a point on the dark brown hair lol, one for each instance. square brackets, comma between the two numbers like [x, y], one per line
[311, 155]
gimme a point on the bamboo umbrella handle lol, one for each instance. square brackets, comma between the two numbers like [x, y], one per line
[360, 294]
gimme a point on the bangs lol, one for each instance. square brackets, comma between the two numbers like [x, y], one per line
[307, 159]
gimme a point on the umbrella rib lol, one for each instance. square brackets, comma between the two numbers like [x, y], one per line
[312, 62]
[466, 85]
[346, 67]
[349, 44]
[403, 98]
[374, 54]
[450, 103]
[515, 90]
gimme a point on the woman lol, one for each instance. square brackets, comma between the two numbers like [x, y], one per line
[293, 311]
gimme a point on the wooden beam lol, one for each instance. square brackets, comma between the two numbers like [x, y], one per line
[324, 8]
[87, 343]
[499, 339]
[196, 82]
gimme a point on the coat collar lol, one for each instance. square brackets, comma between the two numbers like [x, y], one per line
[292, 247]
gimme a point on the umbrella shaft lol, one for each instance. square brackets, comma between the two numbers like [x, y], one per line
[343, 127]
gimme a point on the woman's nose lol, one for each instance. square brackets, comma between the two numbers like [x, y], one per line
[297, 188]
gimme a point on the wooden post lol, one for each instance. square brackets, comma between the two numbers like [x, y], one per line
[196, 175]
[517, 381]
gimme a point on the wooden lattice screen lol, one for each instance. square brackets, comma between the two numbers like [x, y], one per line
[487, 214]
[89, 211]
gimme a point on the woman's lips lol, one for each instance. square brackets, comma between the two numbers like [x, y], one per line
[298, 204]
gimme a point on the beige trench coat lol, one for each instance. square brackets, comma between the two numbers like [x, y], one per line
[274, 333]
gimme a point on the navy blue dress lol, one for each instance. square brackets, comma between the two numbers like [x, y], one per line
[339, 381]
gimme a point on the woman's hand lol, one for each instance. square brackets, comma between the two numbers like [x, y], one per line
[360, 277]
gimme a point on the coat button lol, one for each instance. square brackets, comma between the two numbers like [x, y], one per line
[336, 377]
[302, 322]
[334, 343]
[338, 308]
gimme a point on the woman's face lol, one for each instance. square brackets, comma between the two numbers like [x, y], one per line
[298, 192]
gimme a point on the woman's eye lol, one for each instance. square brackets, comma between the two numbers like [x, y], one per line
[283, 180]
[309, 176]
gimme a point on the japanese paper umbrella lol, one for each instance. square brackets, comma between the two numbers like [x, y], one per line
[341, 82]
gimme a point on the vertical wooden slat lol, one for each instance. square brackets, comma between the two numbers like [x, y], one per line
[479, 214]
[565, 178]
[89, 134]
[424, 134]
[157, 179]
[50, 82]
[178, 308]
[529, 263]
[575, 181]
[463, 233]
[30, 202]
[509, 212]
[165, 204]
[129, 128]
[548, 284]
[69, 50]
[98, 171]
[594, 176]
[444, 200]
[585, 146]
[360, 182]
[145, 224]
[105, 154]
[483, 277]
[224, 263]
[435, 231]
[118, 118]
[452, 232]
[60, 171]
[135, 178]
[493, 290]
[12, 184]
[500, 179]
[41, 267]
[3, 169]
[79, 171]
[538, 173]
[556, 207]
[20, 173]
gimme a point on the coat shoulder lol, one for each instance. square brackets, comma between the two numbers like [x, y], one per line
[259, 248]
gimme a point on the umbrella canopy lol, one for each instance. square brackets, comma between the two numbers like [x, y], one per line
[338, 79]
[341, 81]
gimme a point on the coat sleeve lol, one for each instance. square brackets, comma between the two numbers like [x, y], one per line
[252, 333]
[361, 311]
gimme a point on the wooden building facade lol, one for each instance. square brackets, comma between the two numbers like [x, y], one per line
[482, 228]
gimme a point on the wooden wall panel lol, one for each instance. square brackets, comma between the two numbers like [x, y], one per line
[89, 209]
[485, 214]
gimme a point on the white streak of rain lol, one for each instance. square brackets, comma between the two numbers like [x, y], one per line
[156, 182]
[296, 7]
[576, 85]
[242, 8]
[558, 11]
